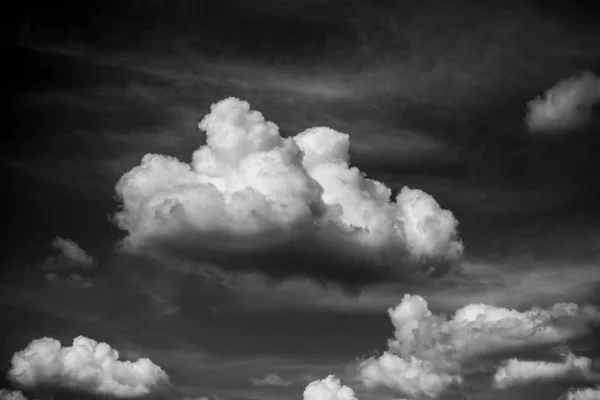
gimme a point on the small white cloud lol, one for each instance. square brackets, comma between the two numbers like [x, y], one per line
[87, 366]
[11, 395]
[271, 379]
[582, 394]
[430, 352]
[566, 106]
[250, 197]
[516, 372]
[329, 388]
[70, 255]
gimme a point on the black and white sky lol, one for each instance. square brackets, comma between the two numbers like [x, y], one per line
[316, 199]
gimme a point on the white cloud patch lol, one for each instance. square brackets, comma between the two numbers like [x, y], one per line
[11, 395]
[271, 379]
[430, 352]
[515, 372]
[251, 199]
[70, 255]
[329, 388]
[582, 394]
[87, 366]
[566, 106]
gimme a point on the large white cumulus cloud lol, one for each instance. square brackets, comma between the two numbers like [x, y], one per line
[430, 352]
[87, 366]
[566, 106]
[519, 372]
[329, 388]
[253, 199]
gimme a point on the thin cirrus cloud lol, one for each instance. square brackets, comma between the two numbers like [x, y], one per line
[567, 106]
[86, 366]
[430, 352]
[253, 200]
[271, 379]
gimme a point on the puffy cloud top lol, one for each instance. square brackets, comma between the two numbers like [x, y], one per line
[11, 395]
[87, 366]
[329, 388]
[518, 372]
[430, 352]
[249, 198]
[566, 106]
[583, 394]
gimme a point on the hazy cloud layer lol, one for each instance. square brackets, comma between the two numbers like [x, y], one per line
[11, 395]
[566, 106]
[271, 379]
[253, 200]
[430, 352]
[329, 388]
[87, 366]
[516, 372]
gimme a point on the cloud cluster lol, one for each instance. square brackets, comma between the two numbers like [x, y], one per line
[565, 107]
[430, 352]
[271, 379]
[516, 372]
[11, 395]
[329, 388]
[253, 200]
[87, 366]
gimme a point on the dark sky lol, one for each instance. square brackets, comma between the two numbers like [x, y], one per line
[434, 96]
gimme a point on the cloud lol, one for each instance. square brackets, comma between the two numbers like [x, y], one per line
[516, 372]
[412, 376]
[72, 279]
[253, 200]
[565, 107]
[430, 352]
[329, 388]
[71, 255]
[87, 366]
[582, 394]
[271, 379]
[11, 395]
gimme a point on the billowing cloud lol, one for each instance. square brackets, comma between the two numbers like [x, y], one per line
[516, 372]
[87, 366]
[329, 388]
[70, 255]
[430, 352]
[582, 394]
[271, 379]
[11, 395]
[566, 106]
[253, 200]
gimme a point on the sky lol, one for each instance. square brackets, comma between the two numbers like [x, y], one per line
[317, 200]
